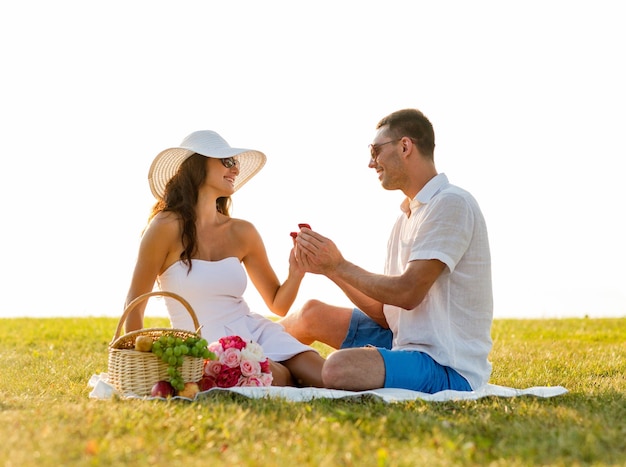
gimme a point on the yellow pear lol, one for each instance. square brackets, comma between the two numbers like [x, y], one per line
[143, 343]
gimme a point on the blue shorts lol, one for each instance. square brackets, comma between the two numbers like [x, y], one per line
[406, 369]
[364, 331]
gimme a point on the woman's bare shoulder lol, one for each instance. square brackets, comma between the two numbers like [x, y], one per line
[245, 234]
[165, 217]
[242, 227]
[165, 221]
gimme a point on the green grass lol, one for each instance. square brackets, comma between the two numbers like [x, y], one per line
[46, 417]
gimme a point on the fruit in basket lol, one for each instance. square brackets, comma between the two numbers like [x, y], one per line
[189, 390]
[143, 343]
[163, 389]
[172, 350]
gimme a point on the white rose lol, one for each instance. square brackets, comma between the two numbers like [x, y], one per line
[253, 352]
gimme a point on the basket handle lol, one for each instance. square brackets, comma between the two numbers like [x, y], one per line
[131, 306]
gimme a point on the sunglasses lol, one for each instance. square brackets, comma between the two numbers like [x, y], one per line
[375, 148]
[229, 162]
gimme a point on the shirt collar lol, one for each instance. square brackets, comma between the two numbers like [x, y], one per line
[428, 191]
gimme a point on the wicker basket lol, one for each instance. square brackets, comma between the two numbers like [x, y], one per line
[134, 372]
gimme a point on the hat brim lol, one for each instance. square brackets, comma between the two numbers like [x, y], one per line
[167, 163]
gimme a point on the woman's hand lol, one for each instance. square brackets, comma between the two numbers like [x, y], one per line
[296, 268]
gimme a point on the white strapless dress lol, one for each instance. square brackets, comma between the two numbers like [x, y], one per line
[214, 289]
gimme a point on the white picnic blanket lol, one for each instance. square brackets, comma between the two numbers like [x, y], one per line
[103, 390]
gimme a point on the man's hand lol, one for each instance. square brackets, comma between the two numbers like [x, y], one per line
[317, 253]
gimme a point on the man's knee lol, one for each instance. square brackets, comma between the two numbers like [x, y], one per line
[333, 371]
[310, 311]
[354, 369]
[302, 323]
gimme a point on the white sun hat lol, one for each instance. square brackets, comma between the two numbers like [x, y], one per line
[209, 144]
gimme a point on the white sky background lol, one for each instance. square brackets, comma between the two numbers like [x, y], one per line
[527, 100]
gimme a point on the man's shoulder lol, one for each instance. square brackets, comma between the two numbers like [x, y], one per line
[454, 193]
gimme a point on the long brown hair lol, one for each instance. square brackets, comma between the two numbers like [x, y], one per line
[181, 196]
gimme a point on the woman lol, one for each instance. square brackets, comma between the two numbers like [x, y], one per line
[192, 247]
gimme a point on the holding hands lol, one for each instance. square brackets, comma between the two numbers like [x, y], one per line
[316, 253]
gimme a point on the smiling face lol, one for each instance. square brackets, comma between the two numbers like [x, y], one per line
[221, 175]
[386, 159]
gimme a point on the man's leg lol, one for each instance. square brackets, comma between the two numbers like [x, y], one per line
[360, 369]
[356, 369]
[318, 321]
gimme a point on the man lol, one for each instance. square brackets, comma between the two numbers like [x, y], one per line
[425, 323]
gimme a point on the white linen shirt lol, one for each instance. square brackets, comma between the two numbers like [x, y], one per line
[453, 322]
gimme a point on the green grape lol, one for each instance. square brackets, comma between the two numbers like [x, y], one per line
[177, 384]
[172, 350]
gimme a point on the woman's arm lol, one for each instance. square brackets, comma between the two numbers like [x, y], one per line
[278, 297]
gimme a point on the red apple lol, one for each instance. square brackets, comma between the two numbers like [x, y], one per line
[189, 391]
[162, 389]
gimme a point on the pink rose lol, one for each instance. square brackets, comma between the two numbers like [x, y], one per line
[216, 348]
[266, 379]
[212, 367]
[231, 357]
[250, 368]
[237, 363]
[251, 381]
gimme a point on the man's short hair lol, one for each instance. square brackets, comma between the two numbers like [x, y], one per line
[414, 124]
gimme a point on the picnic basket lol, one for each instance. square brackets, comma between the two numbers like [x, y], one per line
[132, 372]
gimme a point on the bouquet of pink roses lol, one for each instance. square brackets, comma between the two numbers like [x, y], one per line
[238, 363]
